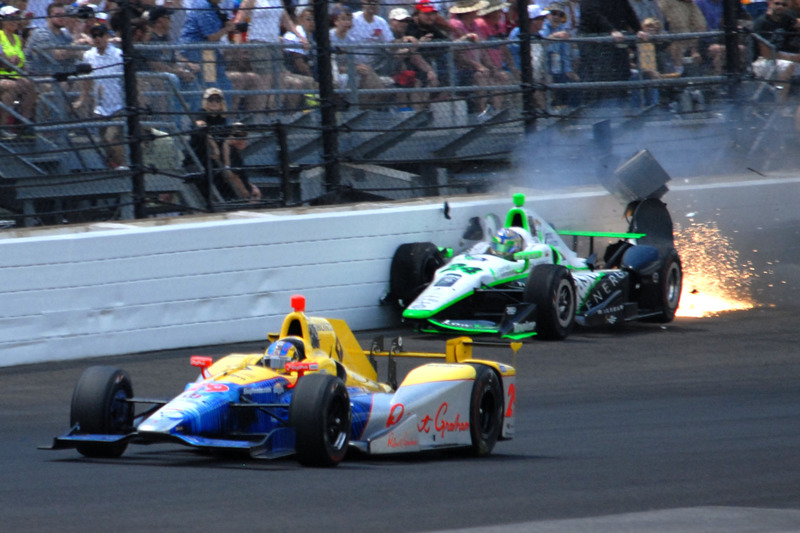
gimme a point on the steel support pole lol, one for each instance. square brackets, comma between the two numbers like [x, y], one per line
[526, 67]
[132, 111]
[327, 100]
[732, 59]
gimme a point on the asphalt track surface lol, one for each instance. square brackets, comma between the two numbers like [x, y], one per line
[690, 426]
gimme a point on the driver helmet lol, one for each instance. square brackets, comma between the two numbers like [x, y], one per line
[284, 350]
[506, 242]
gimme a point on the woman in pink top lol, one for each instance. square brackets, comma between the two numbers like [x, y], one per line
[471, 64]
[491, 27]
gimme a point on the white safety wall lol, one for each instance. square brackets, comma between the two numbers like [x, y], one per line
[142, 288]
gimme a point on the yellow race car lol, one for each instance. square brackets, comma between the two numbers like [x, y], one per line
[313, 393]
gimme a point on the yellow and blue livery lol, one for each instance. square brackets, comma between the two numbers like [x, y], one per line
[314, 393]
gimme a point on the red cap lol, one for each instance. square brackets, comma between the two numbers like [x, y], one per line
[298, 303]
[425, 6]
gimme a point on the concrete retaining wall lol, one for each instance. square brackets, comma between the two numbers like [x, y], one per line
[124, 288]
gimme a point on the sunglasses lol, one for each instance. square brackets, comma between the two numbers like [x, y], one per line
[214, 98]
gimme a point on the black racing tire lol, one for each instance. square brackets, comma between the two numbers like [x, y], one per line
[413, 267]
[670, 284]
[320, 416]
[485, 410]
[99, 406]
[552, 289]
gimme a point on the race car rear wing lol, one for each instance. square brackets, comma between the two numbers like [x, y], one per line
[592, 235]
[457, 350]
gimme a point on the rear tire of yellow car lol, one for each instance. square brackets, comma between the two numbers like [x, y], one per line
[320, 416]
[485, 410]
[99, 407]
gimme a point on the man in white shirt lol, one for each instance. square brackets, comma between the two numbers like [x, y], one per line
[368, 27]
[105, 84]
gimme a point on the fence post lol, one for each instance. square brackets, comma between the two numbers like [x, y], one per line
[526, 67]
[732, 60]
[327, 100]
[132, 112]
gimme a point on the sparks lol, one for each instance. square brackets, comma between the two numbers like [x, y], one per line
[713, 280]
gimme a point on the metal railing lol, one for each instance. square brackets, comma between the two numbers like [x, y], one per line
[402, 129]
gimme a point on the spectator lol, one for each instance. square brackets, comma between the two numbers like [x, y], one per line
[211, 130]
[713, 49]
[510, 17]
[491, 27]
[410, 70]
[368, 27]
[647, 9]
[777, 58]
[14, 84]
[755, 8]
[158, 157]
[428, 26]
[39, 10]
[265, 19]
[712, 12]
[777, 26]
[299, 61]
[537, 17]
[607, 61]
[683, 16]
[113, 17]
[24, 29]
[46, 47]
[346, 70]
[171, 61]
[235, 184]
[105, 85]
[573, 15]
[664, 64]
[239, 69]
[506, 17]
[655, 62]
[87, 14]
[208, 23]
[176, 72]
[470, 62]
[76, 24]
[140, 35]
[158, 151]
[560, 54]
[180, 8]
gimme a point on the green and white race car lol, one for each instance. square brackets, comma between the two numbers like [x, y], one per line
[524, 280]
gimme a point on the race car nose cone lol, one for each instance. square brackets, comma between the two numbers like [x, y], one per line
[162, 422]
